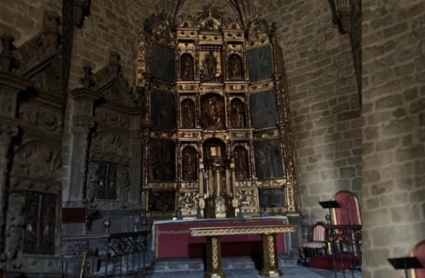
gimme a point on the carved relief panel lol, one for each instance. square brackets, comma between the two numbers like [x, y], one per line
[213, 116]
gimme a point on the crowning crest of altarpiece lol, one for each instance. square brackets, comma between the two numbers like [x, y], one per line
[217, 130]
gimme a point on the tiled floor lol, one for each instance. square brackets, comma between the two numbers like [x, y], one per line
[288, 272]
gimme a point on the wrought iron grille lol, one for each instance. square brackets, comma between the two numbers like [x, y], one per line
[110, 255]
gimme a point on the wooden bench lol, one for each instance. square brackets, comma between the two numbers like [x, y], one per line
[268, 233]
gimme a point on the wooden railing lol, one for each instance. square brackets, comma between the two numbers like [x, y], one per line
[105, 255]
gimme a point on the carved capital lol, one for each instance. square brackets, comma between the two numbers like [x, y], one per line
[82, 124]
[84, 99]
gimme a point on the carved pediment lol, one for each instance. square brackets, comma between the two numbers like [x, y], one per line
[114, 87]
[33, 55]
[209, 19]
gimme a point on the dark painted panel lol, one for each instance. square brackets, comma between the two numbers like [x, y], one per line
[162, 164]
[162, 200]
[163, 63]
[263, 109]
[268, 159]
[272, 197]
[260, 63]
[163, 110]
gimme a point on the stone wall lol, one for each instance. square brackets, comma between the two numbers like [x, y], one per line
[393, 132]
[324, 101]
[24, 19]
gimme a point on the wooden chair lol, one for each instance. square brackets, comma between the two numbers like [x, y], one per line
[419, 252]
[316, 245]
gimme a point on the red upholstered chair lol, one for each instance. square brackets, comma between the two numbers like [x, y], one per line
[419, 252]
[349, 211]
[347, 214]
[316, 245]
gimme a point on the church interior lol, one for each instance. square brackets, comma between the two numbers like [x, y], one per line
[220, 138]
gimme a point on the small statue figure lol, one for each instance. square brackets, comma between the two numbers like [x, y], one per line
[235, 67]
[238, 114]
[187, 67]
[210, 66]
[188, 114]
[189, 165]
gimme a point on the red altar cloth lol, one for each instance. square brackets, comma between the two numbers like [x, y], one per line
[172, 239]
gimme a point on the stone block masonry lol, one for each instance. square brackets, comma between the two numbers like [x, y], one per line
[324, 101]
[393, 132]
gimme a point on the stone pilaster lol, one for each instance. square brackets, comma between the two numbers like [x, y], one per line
[83, 123]
[136, 167]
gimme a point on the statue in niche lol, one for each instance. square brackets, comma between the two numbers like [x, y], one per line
[241, 165]
[235, 67]
[189, 165]
[210, 66]
[188, 114]
[92, 182]
[213, 113]
[238, 113]
[187, 67]
[125, 187]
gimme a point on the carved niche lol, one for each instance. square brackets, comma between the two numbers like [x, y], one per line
[213, 111]
[188, 119]
[235, 67]
[190, 164]
[187, 67]
[241, 163]
[238, 119]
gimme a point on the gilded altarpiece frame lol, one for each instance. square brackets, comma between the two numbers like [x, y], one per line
[218, 49]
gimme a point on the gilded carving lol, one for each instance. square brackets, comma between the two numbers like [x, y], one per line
[247, 198]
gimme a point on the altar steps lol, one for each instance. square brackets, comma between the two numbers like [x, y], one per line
[229, 263]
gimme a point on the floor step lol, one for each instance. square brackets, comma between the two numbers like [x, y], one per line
[229, 263]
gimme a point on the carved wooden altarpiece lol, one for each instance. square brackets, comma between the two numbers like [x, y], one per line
[222, 78]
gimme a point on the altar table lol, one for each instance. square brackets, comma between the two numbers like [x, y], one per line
[268, 233]
[172, 239]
